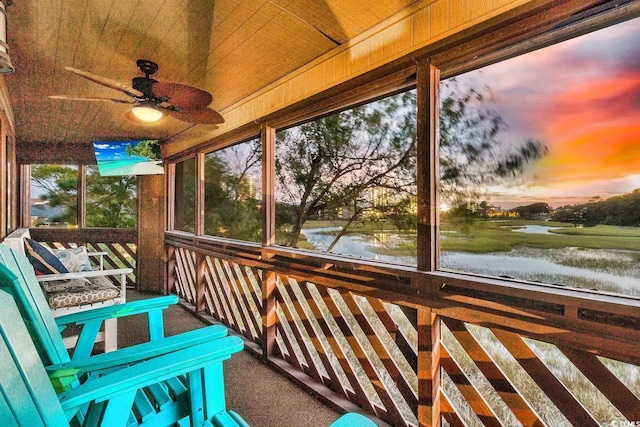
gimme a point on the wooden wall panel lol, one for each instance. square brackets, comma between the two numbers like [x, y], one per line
[7, 162]
[46, 152]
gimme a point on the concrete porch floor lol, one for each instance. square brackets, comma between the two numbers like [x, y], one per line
[263, 397]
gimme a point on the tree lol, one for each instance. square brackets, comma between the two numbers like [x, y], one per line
[532, 210]
[339, 160]
[623, 210]
[59, 187]
[231, 207]
[336, 161]
[473, 153]
[148, 148]
[111, 201]
[469, 211]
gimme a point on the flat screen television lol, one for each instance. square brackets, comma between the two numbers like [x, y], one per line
[137, 157]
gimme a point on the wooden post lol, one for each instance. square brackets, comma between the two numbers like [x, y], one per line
[269, 304]
[200, 202]
[170, 270]
[150, 263]
[24, 181]
[269, 315]
[427, 82]
[170, 196]
[268, 185]
[429, 378]
[82, 198]
[201, 261]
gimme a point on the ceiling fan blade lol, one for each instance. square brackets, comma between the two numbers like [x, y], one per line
[204, 116]
[131, 117]
[90, 98]
[104, 81]
[183, 96]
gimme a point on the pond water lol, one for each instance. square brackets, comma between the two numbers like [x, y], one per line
[533, 229]
[616, 271]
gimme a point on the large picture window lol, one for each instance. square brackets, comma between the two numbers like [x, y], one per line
[345, 183]
[233, 193]
[110, 201]
[185, 196]
[54, 195]
[540, 165]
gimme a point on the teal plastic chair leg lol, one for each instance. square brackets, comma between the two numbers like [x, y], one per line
[352, 419]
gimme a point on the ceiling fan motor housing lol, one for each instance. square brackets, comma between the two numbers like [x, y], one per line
[145, 85]
[147, 67]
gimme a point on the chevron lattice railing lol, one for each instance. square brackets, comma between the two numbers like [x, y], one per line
[417, 348]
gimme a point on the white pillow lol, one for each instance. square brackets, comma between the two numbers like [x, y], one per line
[75, 259]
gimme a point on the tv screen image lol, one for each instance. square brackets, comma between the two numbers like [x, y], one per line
[138, 157]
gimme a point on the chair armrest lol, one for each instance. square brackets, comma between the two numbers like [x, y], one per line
[83, 274]
[99, 254]
[138, 352]
[151, 372]
[118, 310]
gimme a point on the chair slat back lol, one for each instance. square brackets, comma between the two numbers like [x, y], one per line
[26, 394]
[15, 240]
[19, 280]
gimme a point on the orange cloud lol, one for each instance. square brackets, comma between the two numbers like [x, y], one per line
[593, 131]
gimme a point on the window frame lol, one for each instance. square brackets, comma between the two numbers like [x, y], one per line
[81, 199]
[497, 39]
[202, 178]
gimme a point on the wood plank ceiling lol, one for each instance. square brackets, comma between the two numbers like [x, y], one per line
[231, 48]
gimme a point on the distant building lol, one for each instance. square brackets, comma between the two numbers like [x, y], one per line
[497, 211]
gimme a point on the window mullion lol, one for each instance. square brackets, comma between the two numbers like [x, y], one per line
[268, 185]
[428, 227]
[82, 196]
[200, 194]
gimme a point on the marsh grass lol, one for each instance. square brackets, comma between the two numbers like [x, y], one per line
[608, 249]
[498, 236]
[489, 236]
[578, 385]
[574, 380]
[592, 399]
[600, 230]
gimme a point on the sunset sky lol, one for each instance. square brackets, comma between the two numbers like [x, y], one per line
[581, 98]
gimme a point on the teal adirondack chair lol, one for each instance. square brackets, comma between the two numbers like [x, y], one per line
[45, 330]
[168, 400]
[65, 373]
[27, 397]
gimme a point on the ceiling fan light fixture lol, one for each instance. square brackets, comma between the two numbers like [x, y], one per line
[147, 112]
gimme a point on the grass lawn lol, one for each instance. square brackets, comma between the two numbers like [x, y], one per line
[497, 236]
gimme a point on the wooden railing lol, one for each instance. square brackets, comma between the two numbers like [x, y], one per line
[119, 244]
[414, 348]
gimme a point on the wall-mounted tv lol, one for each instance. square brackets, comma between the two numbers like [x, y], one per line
[138, 157]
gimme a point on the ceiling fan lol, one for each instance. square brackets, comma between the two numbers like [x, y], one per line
[151, 98]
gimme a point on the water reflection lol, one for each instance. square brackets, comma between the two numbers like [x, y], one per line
[359, 245]
[608, 270]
